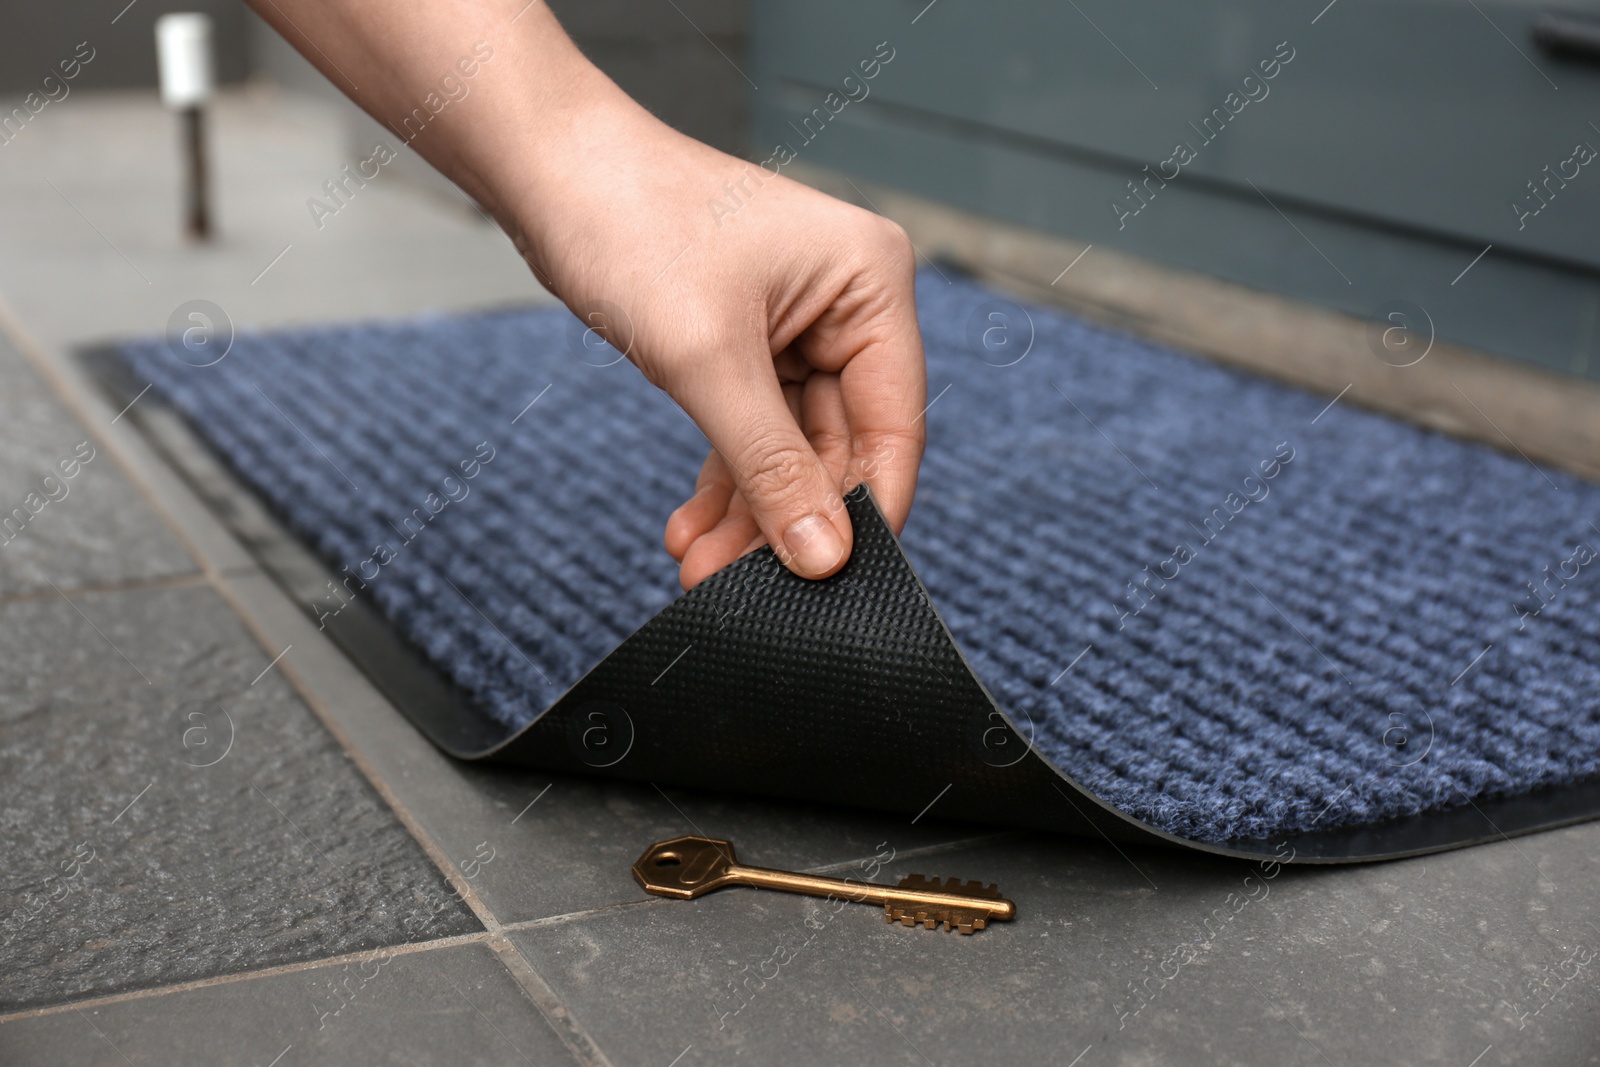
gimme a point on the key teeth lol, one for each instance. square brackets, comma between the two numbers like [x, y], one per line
[961, 920]
[952, 884]
[964, 923]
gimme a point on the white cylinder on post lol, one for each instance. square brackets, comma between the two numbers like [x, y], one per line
[188, 79]
[183, 52]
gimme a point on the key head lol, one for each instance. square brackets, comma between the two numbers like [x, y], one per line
[685, 867]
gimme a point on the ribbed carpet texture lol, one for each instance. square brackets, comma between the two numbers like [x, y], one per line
[1219, 606]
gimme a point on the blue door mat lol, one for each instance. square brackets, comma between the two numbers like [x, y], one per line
[1183, 603]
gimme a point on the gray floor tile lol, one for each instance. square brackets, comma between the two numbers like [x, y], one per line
[91, 528]
[169, 810]
[454, 1005]
[535, 845]
[1431, 961]
[574, 849]
[279, 852]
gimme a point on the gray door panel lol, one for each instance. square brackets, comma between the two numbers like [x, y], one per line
[1377, 162]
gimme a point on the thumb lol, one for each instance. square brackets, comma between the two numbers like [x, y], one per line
[789, 491]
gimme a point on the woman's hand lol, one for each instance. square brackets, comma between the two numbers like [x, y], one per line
[783, 321]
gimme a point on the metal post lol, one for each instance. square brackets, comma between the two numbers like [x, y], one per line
[197, 223]
[183, 52]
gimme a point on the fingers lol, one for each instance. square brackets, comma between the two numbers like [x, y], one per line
[701, 512]
[886, 445]
[869, 337]
[821, 413]
[883, 390]
[716, 527]
[790, 494]
[734, 536]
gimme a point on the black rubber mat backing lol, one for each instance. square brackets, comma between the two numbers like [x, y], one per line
[849, 691]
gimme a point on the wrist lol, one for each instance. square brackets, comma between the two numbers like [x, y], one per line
[543, 119]
[558, 186]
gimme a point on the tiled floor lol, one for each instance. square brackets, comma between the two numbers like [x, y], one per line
[222, 845]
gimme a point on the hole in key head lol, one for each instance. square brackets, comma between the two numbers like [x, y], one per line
[668, 859]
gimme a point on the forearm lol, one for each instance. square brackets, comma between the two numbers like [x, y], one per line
[782, 320]
[494, 95]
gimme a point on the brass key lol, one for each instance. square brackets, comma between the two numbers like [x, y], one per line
[688, 867]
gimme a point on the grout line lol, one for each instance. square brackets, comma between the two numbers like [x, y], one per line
[408, 948]
[413, 826]
[524, 925]
[74, 395]
[479, 1011]
[1115, 847]
[538, 991]
[357, 755]
[494, 936]
[67, 390]
[556, 1014]
[823, 869]
[604, 910]
[179, 581]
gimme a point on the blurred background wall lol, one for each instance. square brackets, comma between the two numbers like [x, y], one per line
[1402, 151]
[677, 59]
[670, 58]
[35, 34]
[651, 48]
[1384, 153]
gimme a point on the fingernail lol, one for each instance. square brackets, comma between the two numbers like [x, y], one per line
[814, 544]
